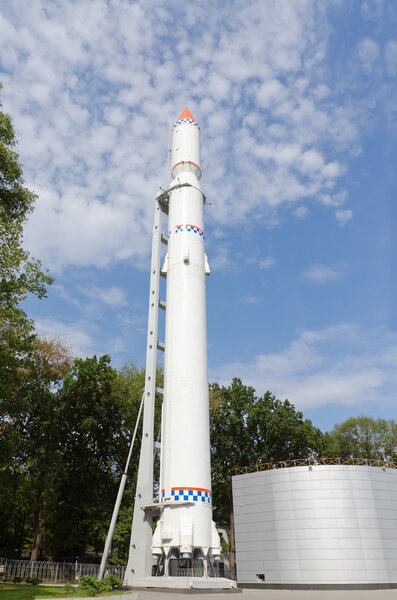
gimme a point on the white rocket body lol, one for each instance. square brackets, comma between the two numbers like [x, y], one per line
[185, 522]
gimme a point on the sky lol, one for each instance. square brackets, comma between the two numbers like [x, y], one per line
[297, 104]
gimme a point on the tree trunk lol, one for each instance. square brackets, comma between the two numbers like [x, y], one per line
[21, 536]
[38, 534]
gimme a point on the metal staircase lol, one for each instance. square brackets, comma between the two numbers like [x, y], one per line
[139, 564]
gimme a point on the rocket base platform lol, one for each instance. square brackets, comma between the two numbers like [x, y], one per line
[198, 583]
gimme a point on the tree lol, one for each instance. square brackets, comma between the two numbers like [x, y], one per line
[97, 411]
[29, 449]
[127, 392]
[19, 347]
[246, 430]
[88, 424]
[363, 437]
[19, 274]
[64, 453]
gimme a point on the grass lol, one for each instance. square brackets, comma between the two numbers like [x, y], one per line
[18, 591]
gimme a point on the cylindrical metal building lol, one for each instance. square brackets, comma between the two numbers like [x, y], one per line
[317, 524]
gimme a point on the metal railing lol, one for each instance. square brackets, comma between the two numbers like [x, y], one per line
[303, 462]
[190, 572]
[53, 572]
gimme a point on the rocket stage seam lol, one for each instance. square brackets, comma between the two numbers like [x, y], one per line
[196, 489]
[190, 121]
[195, 494]
[187, 162]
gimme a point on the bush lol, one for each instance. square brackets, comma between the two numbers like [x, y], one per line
[93, 586]
[113, 581]
[69, 589]
[17, 580]
[33, 580]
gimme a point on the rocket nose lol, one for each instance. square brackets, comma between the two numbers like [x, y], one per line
[186, 114]
[185, 145]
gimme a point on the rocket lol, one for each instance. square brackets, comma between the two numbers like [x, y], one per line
[185, 546]
[185, 529]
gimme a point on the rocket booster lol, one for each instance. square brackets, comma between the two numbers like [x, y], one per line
[185, 525]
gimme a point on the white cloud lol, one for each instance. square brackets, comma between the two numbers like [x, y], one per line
[218, 233]
[271, 92]
[74, 336]
[343, 216]
[113, 296]
[391, 58]
[267, 263]
[64, 293]
[334, 199]
[311, 160]
[103, 79]
[221, 260]
[373, 9]
[343, 364]
[368, 54]
[301, 212]
[117, 344]
[321, 274]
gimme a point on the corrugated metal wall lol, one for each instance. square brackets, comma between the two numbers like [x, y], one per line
[317, 525]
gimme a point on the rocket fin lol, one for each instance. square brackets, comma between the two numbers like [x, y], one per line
[165, 265]
[216, 541]
[156, 540]
[186, 535]
[207, 266]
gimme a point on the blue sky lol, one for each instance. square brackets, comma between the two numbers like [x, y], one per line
[297, 106]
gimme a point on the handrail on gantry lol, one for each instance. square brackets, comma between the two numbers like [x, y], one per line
[303, 462]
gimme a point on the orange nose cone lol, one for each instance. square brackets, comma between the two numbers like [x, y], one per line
[186, 115]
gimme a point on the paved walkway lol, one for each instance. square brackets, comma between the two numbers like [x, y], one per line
[269, 595]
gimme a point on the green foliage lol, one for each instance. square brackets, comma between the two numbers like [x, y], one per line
[69, 589]
[113, 581]
[87, 424]
[94, 586]
[29, 446]
[33, 580]
[96, 412]
[127, 391]
[19, 274]
[363, 437]
[21, 383]
[64, 452]
[246, 430]
[32, 592]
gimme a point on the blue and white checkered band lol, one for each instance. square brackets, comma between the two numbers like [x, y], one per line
[190, 121]
[191, 495]
[191, 228]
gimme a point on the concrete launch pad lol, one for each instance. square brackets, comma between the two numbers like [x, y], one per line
[259, 594]
[188, 583]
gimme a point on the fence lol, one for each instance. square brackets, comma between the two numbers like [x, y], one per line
[53, 572]
[192, 572]
[303, 462]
